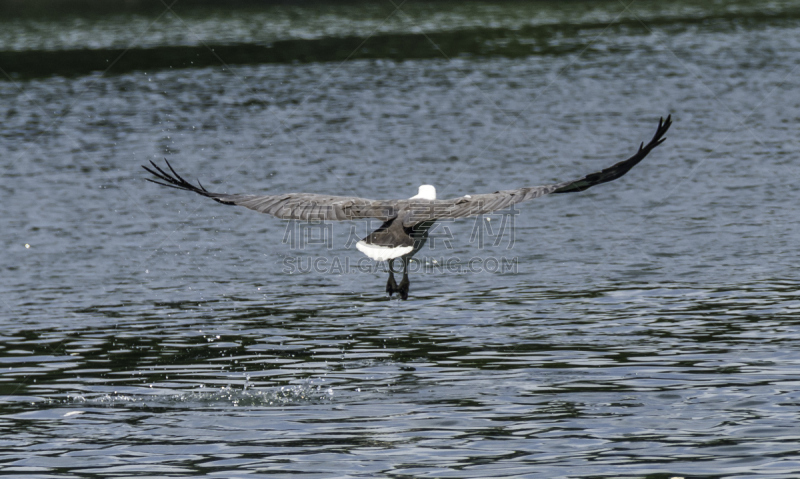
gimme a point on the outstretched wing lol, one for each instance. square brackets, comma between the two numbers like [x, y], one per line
[481, 204]
[295, 206]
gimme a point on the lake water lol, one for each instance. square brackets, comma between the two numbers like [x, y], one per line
[646, 328]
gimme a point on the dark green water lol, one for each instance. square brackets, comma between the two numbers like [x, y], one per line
[649, 328]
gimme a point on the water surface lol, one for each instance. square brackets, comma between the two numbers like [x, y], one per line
[649, 328]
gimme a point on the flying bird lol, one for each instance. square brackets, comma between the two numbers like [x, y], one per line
[406, 222]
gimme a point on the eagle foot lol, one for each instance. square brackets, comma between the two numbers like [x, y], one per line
[403, 290]
[391, 285]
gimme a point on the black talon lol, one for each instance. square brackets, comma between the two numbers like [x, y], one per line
[391, 285]
[403, 290]
[404, 283]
